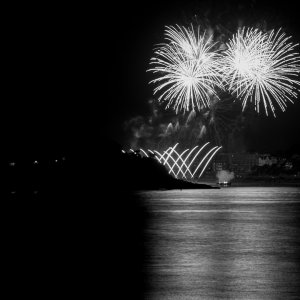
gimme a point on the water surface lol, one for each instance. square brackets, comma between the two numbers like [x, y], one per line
[232, 243]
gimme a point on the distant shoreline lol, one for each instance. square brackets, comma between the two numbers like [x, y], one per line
[266, 184]
[258, 183]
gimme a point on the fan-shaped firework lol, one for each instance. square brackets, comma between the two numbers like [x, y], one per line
[183, 164]
[263, 67]
[188, 69]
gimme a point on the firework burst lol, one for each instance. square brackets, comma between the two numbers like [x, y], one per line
[188, 69]
[182, 164]
[262, 67]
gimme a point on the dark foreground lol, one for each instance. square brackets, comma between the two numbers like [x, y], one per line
[83, 232]
[81, 235]
[90, 233]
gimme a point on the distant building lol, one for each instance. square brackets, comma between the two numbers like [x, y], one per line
[240, 163]
[267, 159]
[288, 165]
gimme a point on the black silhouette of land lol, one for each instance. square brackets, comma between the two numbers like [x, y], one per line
[83, 231]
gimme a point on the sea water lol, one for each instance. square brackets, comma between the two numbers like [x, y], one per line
[229, 243]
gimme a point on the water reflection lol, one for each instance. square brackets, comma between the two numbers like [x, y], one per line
[235, 243]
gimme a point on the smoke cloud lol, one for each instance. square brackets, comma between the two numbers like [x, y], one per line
[161, 128]
[225, 175]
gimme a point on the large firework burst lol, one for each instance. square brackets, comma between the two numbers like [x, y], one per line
[262, 67]
[188, 68]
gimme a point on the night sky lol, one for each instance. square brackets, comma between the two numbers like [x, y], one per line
[73, 74]
[144, 28]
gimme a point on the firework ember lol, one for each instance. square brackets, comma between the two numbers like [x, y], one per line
[188, 68]
[262, 67]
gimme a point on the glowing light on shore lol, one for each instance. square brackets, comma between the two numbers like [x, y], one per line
[188, 68]
[262, 67]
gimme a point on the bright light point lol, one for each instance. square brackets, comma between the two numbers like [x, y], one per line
[123, 151]
[35, 162]
[12, 164]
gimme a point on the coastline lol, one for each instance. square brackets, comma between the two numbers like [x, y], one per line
[258, 183]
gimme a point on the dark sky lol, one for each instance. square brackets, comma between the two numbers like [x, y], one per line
[135, 30]
[74, 73]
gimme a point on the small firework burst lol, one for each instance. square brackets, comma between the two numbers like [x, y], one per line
[262, 67]
[188, 68]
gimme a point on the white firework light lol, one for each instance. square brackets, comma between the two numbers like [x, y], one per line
[186, 164]
[188, 68]
[262, 67]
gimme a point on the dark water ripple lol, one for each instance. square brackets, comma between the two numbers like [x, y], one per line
[233, 243]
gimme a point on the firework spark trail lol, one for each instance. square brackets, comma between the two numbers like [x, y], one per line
[144, 152]
[162, 155]
[169, 154]
[203, 159]
[159, 160]
[199, 151]
[175, 163]
[188, 69]
[166, 162]
[179, 157]
[263, 66]
[179, 161]
[187, 159]
[182, 160]
[209, 160]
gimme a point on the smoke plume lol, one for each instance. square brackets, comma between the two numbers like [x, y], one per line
[225, 175]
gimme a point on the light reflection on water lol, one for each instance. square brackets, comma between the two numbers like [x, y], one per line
[232, 243]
